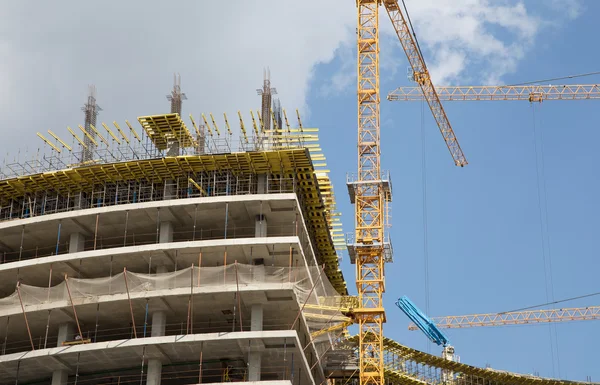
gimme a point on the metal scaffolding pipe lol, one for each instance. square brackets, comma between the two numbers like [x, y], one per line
[73, 307]
[307, 298]
[130, 305]
[199, 266]
[24, 315]
[96, 231]
[239, 297]
[58, 238]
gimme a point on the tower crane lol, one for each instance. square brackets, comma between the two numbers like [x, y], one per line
[528, 317]
[370, 190]
[532, 93]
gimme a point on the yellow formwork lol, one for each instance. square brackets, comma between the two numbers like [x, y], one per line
[166, 127]
[288, 162]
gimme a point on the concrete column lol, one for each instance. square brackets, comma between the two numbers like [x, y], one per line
[254, 358]
[154, 372]
[60, 377]
[260, 223]
[166, 232]
[66, 332]
[159, 322]
[261, 183]
[256, 317]
[76, 242]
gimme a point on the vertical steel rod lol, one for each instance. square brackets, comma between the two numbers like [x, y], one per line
[192, 300]
[239, 297]
[126, 223]
[195, 219]
[199, 265]
[47, 328]
[96, 231]
[58, 238]
[200, 370]
[290, 265]
[146, 318]
[226, 218]
[225, 266]
[49, 282]
[21, 247]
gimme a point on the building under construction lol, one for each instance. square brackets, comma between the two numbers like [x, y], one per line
[160, 252]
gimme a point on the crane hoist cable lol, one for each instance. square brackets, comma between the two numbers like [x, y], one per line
[412, 30]
[552, 303]
[544, 232]
[554, 79]
[425, 227]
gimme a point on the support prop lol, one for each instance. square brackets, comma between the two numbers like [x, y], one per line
[24, 315]
[130, 305]
[73, 307]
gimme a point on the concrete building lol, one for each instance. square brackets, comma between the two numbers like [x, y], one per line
[207, 266]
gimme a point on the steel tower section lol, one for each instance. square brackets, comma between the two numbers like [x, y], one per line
[266, 93]
[91, 110]
[177, 97]
[368, 191]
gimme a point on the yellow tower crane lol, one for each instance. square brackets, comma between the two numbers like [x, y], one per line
[527, 317]
[532, 93]
[370, 189]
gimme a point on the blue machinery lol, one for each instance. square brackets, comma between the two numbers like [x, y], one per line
[426, 325]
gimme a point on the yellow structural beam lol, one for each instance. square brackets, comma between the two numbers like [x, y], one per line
[111, 133]
[87, 134]
[132, 130]
[49, 143]
[99, 135]
[77, 138]
[60, 140]
[120, 131]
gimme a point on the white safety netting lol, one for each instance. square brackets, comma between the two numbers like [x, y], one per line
[314, 292]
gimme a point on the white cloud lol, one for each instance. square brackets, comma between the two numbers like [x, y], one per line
[475, 33]
[130, 50]
[477, 41]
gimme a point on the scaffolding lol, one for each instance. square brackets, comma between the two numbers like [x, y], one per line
[153, 140]
[187, 185]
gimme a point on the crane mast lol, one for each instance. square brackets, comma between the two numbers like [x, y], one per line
[370, 189]
[367, 189]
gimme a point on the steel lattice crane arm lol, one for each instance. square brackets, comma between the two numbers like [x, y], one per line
[422, 77]
[532, 93]
[516, 318]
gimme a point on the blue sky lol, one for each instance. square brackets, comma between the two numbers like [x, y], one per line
[484, 234]
[485, 244]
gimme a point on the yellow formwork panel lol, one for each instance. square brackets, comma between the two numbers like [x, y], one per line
[163, 128]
